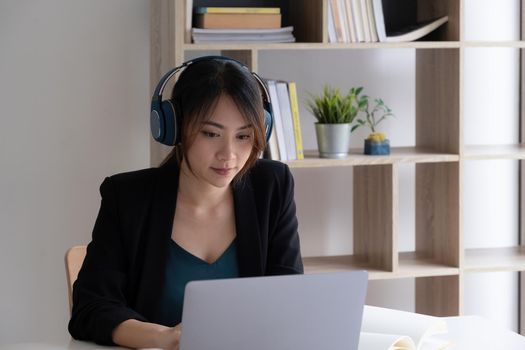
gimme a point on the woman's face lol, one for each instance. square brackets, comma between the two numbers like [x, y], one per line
[222, 146]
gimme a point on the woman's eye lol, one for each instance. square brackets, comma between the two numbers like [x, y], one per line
[244, 137]
[210, 133]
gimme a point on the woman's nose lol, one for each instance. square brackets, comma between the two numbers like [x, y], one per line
[226, 151]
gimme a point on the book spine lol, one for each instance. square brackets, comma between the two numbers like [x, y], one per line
[279, 131]
[343, 20]
[264, 10]
[237, 21]
[294, 104]
[286, 114]
[350, 20]
[332, 36]
[372, 21]
[337, 22]
[358, 19]
[366, 22]
[380, 19]
[273, 146]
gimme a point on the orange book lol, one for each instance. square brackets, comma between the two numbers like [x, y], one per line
[237, 21]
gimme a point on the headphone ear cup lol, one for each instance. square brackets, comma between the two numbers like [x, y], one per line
[169, 124]
[268, 123]
[156, 121]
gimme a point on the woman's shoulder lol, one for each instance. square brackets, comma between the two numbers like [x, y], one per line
[267, 167]
[134, 176]
[266, 171]
[132, 182]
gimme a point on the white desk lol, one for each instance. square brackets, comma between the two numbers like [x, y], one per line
[475, 332]
[465, 333]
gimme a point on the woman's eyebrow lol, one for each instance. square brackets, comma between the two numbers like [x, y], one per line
[220, 126]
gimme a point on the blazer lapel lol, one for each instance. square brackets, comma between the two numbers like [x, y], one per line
[247, 226]
[158, 236]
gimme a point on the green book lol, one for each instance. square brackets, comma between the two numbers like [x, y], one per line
[261, 10]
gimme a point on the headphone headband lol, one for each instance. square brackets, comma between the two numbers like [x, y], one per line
[164, 121]
[164, 80]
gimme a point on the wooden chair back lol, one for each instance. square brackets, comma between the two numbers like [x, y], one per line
[73, 260]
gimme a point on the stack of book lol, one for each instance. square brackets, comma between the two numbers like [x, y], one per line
[286, 140]
[364, 21]
[239, 24]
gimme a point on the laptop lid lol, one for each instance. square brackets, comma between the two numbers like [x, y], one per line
[307, 312]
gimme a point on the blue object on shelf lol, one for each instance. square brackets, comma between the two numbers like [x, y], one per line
[377, 148]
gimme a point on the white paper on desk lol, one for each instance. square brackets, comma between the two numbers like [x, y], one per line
[418, 327]
[376, 341]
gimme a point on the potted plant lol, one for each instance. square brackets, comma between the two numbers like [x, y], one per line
[376, 143]
[335, 113]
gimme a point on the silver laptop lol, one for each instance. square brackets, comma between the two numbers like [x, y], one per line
[294, 312]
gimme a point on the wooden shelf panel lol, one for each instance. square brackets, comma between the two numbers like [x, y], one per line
[412, 265]
[321, 46]
[505, 44]
[494, 152]
[356, 157]
[495, 259]
[409, 266]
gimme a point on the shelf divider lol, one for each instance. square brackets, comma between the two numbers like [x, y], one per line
[438, 100]
[438, 296]
[437, 212]
[375, 206]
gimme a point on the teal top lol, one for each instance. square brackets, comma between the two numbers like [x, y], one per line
[183, 267]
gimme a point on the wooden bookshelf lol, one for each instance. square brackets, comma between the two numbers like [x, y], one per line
[440, 260]
[495, 259]
[322, 46]
[409, 266]
[516, 152]
[356, 157]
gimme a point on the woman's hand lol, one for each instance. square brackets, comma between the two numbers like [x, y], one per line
[170, 338]
[141, 335]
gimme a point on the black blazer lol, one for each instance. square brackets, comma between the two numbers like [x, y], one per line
[123, 272]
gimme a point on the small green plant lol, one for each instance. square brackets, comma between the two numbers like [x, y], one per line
[331, 107]
[373, 116]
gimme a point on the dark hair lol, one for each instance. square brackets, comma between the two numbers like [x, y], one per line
[196, 94]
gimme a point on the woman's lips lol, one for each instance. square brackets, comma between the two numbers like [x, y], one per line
[222, 171]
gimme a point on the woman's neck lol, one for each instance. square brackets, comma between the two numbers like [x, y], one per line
[196, 193]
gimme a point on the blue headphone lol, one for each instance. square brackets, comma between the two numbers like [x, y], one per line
[164, 120]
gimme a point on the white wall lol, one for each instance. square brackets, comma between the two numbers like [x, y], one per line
[74, 92]
[490, 188]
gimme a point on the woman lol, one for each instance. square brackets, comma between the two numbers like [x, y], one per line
[212, 210]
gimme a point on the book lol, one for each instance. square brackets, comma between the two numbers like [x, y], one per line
[261, 10]
[200, 35]
[350, 21]
[389, 329]
[415, 31]
[337, 19]
[332, 36]
[277, 120]
[237, 20]
[408, 33]
[287, 121]
[379, 19]
[294, 105]
[371, 21]
[343, 18]
[365, 20]
[358, 20]
[273, 147]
